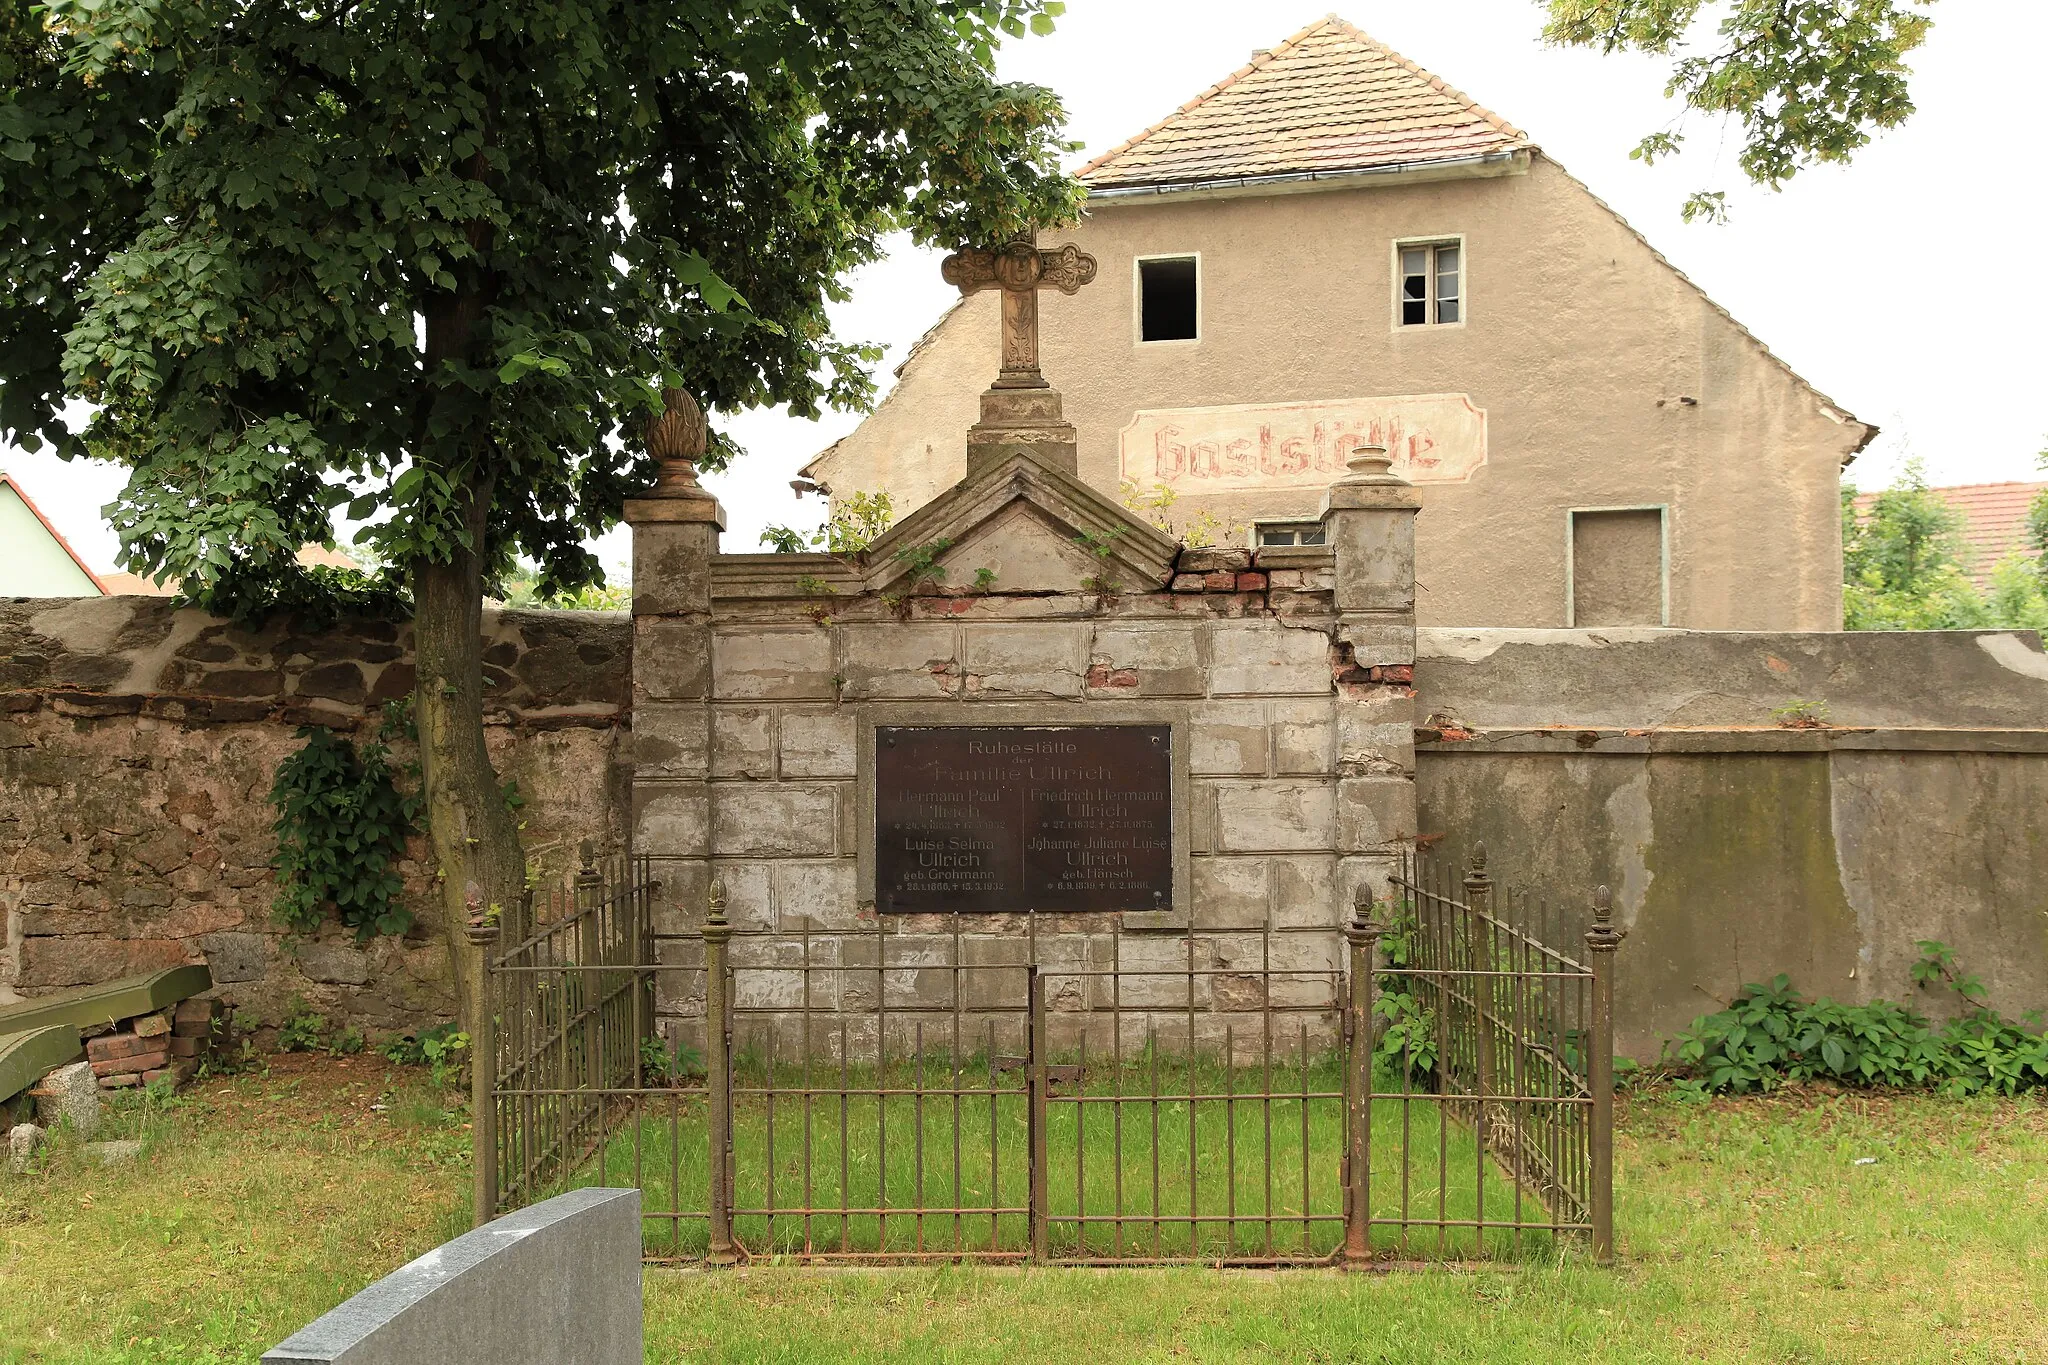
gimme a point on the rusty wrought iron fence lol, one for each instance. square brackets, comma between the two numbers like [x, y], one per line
[1057, 1089]
[1487, 1019]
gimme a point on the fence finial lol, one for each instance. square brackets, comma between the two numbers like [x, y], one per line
[1479, 857]
[714, 901]
[1603, 936]
[587, 851]
[1365, 925]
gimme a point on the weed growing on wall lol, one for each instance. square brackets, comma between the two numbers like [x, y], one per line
[1770, 1035]
[341, 828]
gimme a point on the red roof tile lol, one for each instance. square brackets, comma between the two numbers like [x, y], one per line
[1329, 99]
[1995, 522]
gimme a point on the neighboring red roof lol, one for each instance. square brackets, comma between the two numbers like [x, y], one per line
[1996, 519]
[1329, 99]
[55, 534]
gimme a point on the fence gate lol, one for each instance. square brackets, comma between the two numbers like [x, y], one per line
[942, 1087]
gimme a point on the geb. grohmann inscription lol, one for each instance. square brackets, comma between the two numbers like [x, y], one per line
[994, 818]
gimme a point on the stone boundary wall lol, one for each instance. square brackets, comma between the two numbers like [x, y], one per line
[1908, 801]
[138, 744]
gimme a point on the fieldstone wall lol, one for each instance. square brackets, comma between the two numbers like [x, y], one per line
[138, 743]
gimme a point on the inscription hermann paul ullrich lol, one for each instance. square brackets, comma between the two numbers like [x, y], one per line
[996, 818]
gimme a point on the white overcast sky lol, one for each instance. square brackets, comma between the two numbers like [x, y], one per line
[1908, 285]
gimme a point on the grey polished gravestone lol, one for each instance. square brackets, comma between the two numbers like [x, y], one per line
[557, 1283]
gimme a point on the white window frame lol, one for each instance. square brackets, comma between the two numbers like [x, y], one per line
[1571, 517]
[1456, 239]
[1295, 524]
[1138, 298]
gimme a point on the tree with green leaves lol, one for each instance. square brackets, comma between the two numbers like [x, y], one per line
[1904, 567]
[1808, 81]
[432, 264]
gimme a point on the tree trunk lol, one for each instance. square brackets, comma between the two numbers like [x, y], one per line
[475, 837]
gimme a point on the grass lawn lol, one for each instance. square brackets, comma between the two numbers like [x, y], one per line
[1749, 1233]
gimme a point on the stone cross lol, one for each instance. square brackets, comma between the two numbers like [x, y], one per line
[1020, 270]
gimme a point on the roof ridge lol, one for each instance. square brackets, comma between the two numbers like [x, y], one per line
[1259, 60]
[1436, 81]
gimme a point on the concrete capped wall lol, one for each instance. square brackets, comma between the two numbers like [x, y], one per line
[1739, 847]
[138, 745]
[1582, 345]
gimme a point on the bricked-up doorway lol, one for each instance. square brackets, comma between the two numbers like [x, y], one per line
[935, 1088]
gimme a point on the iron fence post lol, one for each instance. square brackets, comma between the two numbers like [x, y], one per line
[1363, 934]
[718, 1074]
[1479, 955]
[483, 1076]
[590, 984]
[1041, 1240]
[1601, 941]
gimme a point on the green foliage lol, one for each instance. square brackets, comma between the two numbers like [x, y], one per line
[347, 1042]
[442, 1049]
[1800, 714]
[1769, 1036]
[416, 261]
[984, 580]
[301, 1030]
[316, 595]
[1903, 567]
[662, 1065]
[921, 563]
[856, 522]
[341, 828]
[1405, 1028]
[1102, 545]
[1807, 80]
[522, 588]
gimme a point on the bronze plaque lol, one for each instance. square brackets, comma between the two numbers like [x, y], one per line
[1023, 817]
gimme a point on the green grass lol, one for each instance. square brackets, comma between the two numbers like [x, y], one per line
[1219, 1179]
[1748, 1233]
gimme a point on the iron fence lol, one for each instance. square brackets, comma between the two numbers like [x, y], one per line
[1057, 1089]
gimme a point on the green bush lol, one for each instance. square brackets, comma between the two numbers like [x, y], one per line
[1769, 1035]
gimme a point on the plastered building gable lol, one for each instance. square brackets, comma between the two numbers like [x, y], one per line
[1607, 380]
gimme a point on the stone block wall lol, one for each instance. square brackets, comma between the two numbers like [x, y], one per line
[138, 744]
[1284, 676]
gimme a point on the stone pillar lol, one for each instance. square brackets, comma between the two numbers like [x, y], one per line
[675, 533]
[1369, 519]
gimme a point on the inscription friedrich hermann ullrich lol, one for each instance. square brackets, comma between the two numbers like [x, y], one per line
[996, 818]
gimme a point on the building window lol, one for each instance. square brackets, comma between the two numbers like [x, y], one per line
[1287, 533]
[1168, 299]
[1619, 567]
[1431, 283]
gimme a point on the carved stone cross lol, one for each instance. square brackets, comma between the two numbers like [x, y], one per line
[1020, 270]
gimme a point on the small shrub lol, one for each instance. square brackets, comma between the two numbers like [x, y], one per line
[441, 1048]
[302, 1030]
[1769, 1036]
[346, 1042]
[662, 1065]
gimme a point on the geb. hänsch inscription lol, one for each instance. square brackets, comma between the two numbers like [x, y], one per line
[994, 818]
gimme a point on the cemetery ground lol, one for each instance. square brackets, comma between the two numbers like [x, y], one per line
[1810, 1225]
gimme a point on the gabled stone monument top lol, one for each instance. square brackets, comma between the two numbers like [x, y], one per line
[1021, 408]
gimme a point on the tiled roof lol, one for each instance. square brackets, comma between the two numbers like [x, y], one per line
[1995, 519]
[1327, 100]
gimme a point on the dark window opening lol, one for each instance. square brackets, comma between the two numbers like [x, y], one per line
[1290, 533]
[1166, 299]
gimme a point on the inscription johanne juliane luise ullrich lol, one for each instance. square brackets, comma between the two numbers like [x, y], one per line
[995, 818]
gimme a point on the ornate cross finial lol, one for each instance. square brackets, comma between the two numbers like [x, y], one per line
[1020, 270]
[676, 440]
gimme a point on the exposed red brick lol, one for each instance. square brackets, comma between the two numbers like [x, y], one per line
[1187, 582]
[140, 1062]
[151, 1026]
[1251, 582]
[195, 1011]
[1221, 581]
[189, 1047]
[118, 1082]
[112, 1047]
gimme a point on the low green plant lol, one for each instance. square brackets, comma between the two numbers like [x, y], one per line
[1405, 1029]
[1102, 545]
[663, 1065]
[1800, 714]
[921, 563]
[1770, 1035]
[341, 827]
[301, 1030]
[856, 522]
[984, 580]
[346, 1042]
[442, 1049]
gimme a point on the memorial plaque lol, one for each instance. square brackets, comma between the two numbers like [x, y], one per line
[1013, 817]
